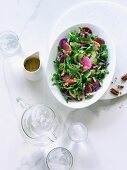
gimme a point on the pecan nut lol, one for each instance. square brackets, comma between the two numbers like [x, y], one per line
[120, 86]
[124, 78]
[114, 91]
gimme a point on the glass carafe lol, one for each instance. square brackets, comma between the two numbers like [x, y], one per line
[39, 123]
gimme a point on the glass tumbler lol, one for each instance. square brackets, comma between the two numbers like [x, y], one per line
[78, 132]
[59, 159]
[9, 42]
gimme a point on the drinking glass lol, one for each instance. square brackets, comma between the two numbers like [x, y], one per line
[78, 132]
[59, 159]
[9, 42]
[39, 123]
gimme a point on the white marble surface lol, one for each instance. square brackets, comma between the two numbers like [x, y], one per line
[106, 149]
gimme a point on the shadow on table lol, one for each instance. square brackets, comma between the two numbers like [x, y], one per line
[99, 115]
[84, 156]
[33, 159]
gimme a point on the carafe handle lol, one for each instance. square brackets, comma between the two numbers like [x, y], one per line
[22, 103]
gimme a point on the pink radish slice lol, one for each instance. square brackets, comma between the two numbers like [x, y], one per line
[99, 40]
[68, 80]
[86, 63]
[89, 88]
[62, 41]
[84, 44]
[62, 58]
[87, 29]
[96, 85]
[65, 46]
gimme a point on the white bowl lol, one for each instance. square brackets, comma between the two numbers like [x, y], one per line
[112, 62]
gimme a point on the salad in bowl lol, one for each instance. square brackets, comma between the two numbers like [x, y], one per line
[81, 65]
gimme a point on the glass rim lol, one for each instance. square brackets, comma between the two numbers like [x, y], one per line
[59, 148]
[21, 121]
[9, 31]
[81, 124]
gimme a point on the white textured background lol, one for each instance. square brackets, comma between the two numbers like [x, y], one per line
[33, 20]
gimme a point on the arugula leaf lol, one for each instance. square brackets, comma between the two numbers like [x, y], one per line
[75, 45]
[73, 36]
[60, 49]
[90, 48]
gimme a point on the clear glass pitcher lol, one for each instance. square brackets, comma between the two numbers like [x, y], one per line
[39, 123]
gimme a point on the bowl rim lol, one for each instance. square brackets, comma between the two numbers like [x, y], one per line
[83, 105]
